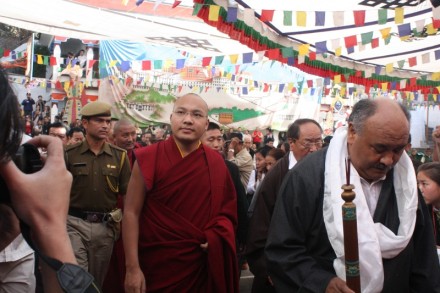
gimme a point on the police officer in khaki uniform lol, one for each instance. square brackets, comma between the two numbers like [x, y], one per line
[100, 172]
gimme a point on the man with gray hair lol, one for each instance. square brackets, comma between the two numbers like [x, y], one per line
[304, 137]
[305, 246]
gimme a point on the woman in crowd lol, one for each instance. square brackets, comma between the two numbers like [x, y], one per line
[258, 173]
[428, 179]
[272, 157]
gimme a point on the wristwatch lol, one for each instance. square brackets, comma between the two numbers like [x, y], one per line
[231, 150]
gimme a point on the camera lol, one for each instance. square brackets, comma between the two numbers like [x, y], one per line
[28, 160]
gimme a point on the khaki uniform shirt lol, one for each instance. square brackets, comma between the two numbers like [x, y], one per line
[97, 179]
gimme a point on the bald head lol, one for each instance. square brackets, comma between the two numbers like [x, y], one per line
[124, 134]
[386, 108]
[120, 123]
[193, 97]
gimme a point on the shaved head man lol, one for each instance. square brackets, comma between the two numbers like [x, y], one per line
[179, 185]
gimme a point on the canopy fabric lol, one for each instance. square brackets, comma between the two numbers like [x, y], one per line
[370, 53]
[111, 20]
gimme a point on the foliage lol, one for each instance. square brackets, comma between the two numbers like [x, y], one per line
[238, 114]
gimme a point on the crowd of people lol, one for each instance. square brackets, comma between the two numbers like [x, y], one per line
[182, 208]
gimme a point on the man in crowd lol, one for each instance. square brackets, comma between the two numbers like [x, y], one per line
[436, 139]
[181, 212]
[247, 142]
[58, 129]
[28, 105]
[124, 136]
[75, 135]
[146, 138]
[159, 134]
[100, 173]
[257, 137]
[305, 247]
[238, 154]
[213, 138]
[304, 137]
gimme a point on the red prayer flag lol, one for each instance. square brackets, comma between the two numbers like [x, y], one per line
[375, 43]
[412, 61]
[312, 55]
[266, 87]
[412, 81]
[310, 83]
[52, 61]
[273, 54]
[206, 61]
[146, 65]
[176, 3]
[6, 53]
[436, 23]
[266, 15]
[350, 41]
[91, 63]
[359, 17]
[358, 73]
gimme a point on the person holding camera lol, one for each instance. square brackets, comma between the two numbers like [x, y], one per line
[43, 212]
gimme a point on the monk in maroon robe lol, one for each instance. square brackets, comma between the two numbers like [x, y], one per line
[180, 213]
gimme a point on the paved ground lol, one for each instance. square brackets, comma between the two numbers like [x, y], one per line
[246, 281]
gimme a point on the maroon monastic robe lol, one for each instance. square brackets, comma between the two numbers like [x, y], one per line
[189, 201]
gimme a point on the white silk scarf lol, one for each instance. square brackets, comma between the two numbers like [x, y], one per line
[375, 240]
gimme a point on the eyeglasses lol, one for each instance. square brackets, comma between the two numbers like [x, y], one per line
[195, 115]
[309, 144]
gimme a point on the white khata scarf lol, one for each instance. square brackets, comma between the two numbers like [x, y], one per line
[375, 240]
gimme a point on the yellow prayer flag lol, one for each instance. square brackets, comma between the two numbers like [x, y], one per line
[290, 86]
[389, 68]
[385, 32]
[214, 11]
[113, 63]
[39, 59]
[399, 14]
[125, 2]
[430, 29]
[342, 91]
[384, 86]
[338, 51]
[233, 58]
[305, 90]
[66, 86]
[229, 75]
[436, 76]
[303, 49]
[301, 18]
[337, 78]
[411, 96]
[434, 97]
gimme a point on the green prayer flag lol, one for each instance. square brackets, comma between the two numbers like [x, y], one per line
[197, 8]
[287, 18]
[387, 40]
[157, 64]
[46, 60]
[366, 38]
[400, 63]
[103, 63]
[382, 13]
[219, 60]
[287, 52]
